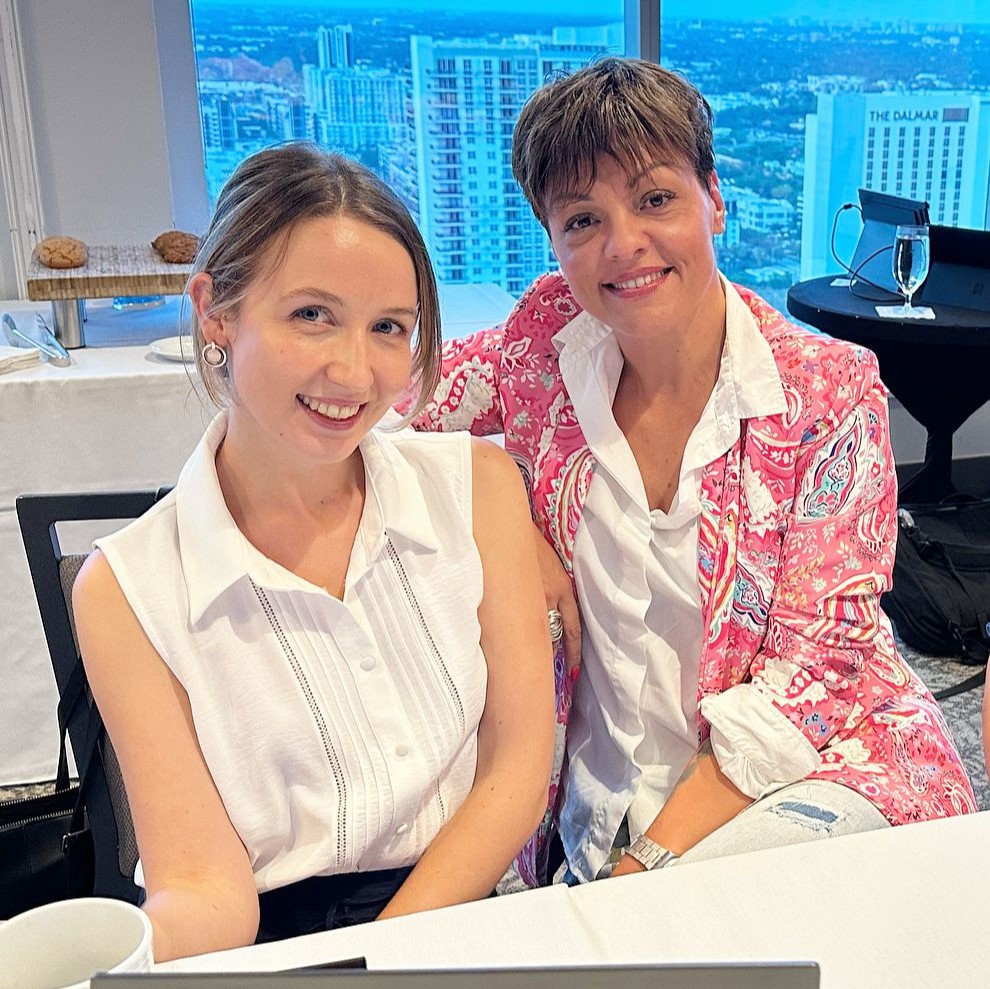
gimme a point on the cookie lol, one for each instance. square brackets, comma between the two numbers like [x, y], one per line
[61, 252]
[176, 247]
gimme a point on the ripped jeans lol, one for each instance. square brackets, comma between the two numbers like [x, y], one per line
[804, 811]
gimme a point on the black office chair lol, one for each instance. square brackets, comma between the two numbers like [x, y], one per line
[53, 574]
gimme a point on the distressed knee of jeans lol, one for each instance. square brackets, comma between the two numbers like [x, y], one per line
[810, 816]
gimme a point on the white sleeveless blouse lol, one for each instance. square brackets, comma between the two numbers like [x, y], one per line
[341, 735]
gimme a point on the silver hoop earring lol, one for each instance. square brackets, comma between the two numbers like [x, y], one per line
[214, 356]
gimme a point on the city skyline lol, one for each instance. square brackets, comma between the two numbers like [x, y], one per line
[262, 81]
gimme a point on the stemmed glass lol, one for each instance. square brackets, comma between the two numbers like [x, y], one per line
[911, 259]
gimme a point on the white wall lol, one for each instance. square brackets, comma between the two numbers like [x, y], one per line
[8, 282]
[111, 169]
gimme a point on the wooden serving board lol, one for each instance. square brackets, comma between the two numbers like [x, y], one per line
[112, 270]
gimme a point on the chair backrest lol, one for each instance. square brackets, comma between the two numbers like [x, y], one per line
[53, 574]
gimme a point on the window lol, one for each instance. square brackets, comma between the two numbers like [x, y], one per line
[813, 101]
[397, 92]
[782, 91]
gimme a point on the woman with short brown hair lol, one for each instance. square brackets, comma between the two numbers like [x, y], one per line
[715, 492]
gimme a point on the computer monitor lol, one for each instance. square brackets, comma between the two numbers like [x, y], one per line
[882, 214]
[959, 274]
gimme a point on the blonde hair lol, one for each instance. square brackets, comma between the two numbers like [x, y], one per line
[625, 108]
[267, 195]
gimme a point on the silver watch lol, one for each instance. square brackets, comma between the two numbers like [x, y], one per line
[649, 853]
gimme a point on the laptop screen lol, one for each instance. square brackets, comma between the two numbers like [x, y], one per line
[960, 268]
[730, 975]
[882, 214]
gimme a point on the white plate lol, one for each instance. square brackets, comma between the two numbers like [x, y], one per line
[173, 348]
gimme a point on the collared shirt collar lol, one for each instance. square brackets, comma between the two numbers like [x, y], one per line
[755, 378]
[751, 369]
[216, 555]
[748, 386]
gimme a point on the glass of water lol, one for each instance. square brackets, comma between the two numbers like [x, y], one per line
[911, 260]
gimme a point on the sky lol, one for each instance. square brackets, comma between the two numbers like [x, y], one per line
[942, 11]
[936, 11]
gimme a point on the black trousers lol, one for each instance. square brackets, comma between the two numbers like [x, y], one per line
[324, 903]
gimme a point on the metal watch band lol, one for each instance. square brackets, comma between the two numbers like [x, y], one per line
[649, 853]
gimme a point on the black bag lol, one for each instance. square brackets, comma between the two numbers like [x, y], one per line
[940, 598]
[46, 849]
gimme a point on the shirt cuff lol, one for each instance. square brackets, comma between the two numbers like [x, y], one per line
[756, 746]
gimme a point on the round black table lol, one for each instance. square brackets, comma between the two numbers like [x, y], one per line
[939, 369]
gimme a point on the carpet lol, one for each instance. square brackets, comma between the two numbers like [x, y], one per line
[964, 713]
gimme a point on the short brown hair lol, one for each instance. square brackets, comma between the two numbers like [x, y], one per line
[266, 196]
[625, 108]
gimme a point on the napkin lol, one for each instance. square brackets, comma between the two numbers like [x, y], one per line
[895, 312]
[14, 358]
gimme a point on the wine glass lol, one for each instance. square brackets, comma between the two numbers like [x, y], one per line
[911, 259]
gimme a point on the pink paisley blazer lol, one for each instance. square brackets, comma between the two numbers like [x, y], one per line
[797, 538]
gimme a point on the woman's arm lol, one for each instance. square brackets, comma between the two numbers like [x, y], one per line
[515, 738]
[468, 396]
[201, 890]
[702, 801]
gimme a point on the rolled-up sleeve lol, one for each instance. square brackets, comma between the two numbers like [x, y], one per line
[756, 746]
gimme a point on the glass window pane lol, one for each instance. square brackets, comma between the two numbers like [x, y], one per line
[424, 93]
[814, 101]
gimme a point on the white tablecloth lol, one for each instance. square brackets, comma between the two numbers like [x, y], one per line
[902, 907]
[119, 418]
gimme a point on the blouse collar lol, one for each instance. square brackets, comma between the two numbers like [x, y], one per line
[216, 555]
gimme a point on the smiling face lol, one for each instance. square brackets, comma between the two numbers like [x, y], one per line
[637, 250]
[319, 348]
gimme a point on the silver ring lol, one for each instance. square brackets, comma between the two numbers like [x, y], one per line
[556, 621]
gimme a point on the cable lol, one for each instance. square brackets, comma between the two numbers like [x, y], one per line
[854, 275]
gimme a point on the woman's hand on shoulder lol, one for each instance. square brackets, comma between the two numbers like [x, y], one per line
[501, 476]
[201, 890]
[515, 638]
[558, 589]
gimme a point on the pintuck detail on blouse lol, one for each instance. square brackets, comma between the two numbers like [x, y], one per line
[796, 545]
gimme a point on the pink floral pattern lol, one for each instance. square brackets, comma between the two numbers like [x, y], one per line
[797, 540]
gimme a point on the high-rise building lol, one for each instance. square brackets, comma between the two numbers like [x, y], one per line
[363, 106]
[926, 145]
[313, 87]
[343, 46]
[467, 95]
[300, 121]
[335, 46]
[354, 108]
[217, 117]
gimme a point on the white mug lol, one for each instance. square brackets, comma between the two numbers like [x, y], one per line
[62, 945]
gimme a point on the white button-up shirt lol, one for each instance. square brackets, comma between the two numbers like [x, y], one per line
[341, 734]
[634, 724]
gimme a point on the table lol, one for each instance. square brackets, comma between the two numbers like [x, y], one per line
[118, 418]
[903, 907]
[938, 369]
[110, 270]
